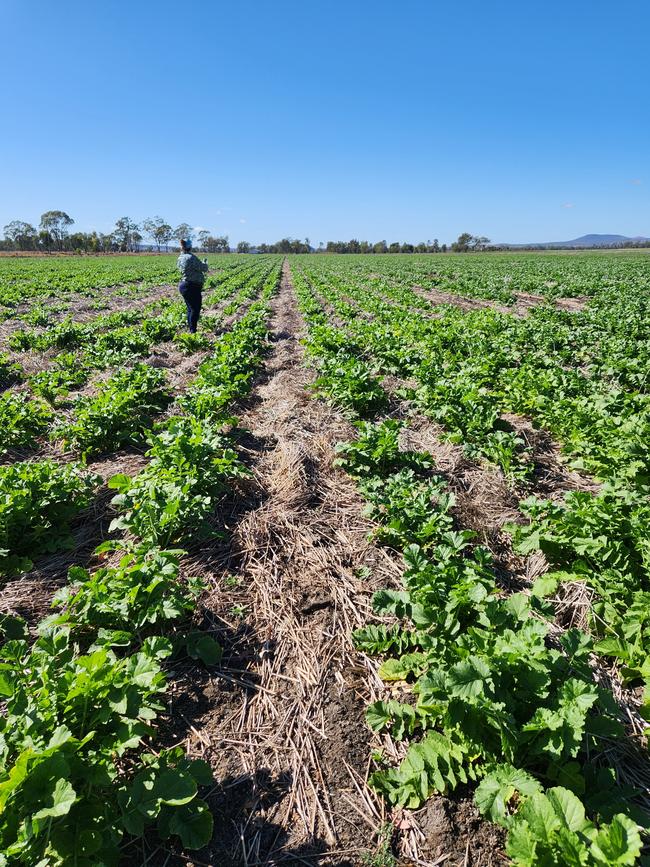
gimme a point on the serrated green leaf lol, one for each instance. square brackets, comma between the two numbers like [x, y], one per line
[498, 787]
[469, 679]
[617, 843]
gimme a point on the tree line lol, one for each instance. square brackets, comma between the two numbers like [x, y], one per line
[54, 235]
[464, 244]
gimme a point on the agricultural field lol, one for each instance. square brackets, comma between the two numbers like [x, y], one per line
[359, 574]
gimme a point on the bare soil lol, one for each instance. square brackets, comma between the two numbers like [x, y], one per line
[436, 296]
[524, 303]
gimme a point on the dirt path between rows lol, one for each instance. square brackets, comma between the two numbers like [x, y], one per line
[524, 302]
[291, 754]
[283, 724]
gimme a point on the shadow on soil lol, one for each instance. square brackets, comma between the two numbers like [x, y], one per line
[237, 804]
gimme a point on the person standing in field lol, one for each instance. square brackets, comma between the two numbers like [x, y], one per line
[193, 272]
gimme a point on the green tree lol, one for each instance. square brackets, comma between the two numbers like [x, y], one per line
[183, 230]
[480, 242]
[78, 241]
[45, 240]
[461, 244]
[105, 242]
[124, 230]
[202, 238]
[243, 247]
[159, 230]
[22, 235]
[56, 223]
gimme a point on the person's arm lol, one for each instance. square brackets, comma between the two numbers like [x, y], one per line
[204, 266]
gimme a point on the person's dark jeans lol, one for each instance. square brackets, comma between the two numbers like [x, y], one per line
[191, 293]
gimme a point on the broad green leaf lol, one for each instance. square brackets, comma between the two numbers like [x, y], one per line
[545, 585]
[614, 646]
[201, 771]
[120, 481]
[567, 807]
[541, 817]
[204, 647]
[569, 775]
[518, 605]
[13, 627]
[468, 679]
[63, 797]
[522, 845]
[617, 843]
[193, 824]
[175, 787]
[497, 788]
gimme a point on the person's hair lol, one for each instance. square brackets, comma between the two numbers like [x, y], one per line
[186, 244]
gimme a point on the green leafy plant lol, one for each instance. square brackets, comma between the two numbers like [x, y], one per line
[56, 383]
[10, 371]
[69, 717]
[190, 343]
[144, 591]
[190, 465]
[22, 420]
[120, 412]
[551, 827]
[37, 503]
[351, 384]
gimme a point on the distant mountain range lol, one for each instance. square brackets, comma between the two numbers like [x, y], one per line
[588, 241]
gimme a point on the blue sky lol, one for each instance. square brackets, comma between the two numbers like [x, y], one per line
[331, 120]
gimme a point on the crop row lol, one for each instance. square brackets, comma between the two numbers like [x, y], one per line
[488, 692]
[26, 279]
[581, 376]
[37, 313]
[500, 277]
[80, 777]
[120, 330]
[120, 413]
[124, 402]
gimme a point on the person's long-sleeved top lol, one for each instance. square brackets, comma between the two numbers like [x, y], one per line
[192, 268]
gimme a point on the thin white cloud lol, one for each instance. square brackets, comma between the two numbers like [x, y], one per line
[568, 205]
[242, 220]
[636, 181]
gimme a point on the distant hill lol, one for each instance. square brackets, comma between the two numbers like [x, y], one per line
[588, 241]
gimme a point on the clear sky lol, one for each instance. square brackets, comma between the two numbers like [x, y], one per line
[407, 120]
